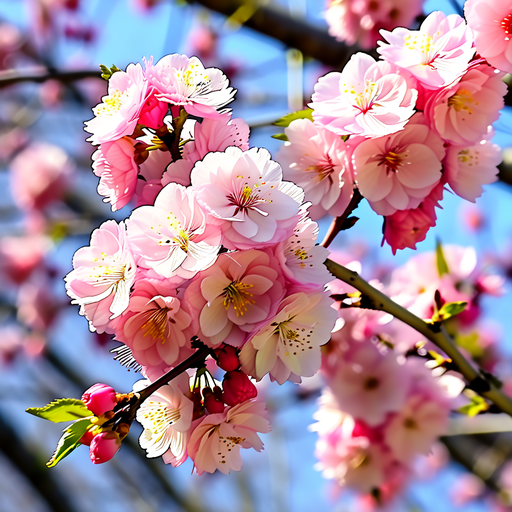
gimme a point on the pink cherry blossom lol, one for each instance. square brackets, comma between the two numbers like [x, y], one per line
[367, 98]
[118, 113]
[37, 304]
[184, 81]
[155, 325]
[114, 163]
[315, 159]
[172, 237]
[405, 228]
[234, 296]
[460, 114]
[351, 460]
[216, 441]
[40, 175]
[369, 384]
[437, 54]
[216, 135]
[290, 341]
[491, 23]
[21, 255]
[166, 417]
[244, 192]
[468, 168]
[103, 275]
[301, 260]
[416, 426]
[355, 21]
[398, 172]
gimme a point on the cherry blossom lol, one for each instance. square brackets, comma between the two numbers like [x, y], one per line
[460, 114]
[367, 98]
[243, 191]
[155, 324]
[398, 172]
[166, 417]
[216, 441]
[39, 175]
[301, 260]
[437, 54]
[118, 113]
[172, 237]
[491, 23]
[184, 81]
[368, 384]
[468, 168]
[103, 275]
[359, 22]
[315, 159]
[238, 293]
[115, 165]
[290, 342]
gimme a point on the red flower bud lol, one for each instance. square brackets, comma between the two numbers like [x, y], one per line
[237, 388]
[227, 359]
[87, 438]
[99, 399]
[211, 403]
[104, 446]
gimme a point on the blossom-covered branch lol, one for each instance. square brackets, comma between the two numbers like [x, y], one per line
[375, 299]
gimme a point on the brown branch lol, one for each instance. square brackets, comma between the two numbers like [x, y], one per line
[12, 77]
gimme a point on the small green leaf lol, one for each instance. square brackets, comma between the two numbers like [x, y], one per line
[69, 441]
[477, 405]
[280, 136]
[106, 73]
[448, 310]
[442, 266]
[288, 118]
[65, 409]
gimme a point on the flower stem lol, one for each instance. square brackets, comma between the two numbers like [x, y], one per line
[436, 333]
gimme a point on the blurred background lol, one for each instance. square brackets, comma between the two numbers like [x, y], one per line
[273, 52]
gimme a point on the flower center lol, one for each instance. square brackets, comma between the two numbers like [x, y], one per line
[392, 160]
[245, 199]
[506, 24]
[461, 100]
[236, 293]
[111, 104]
[422, 43]
[156, 324]
[322, 169]
[466, 156]
[371, 383]
[107, 275]
[365, 100]
[410, 424]
[182, 239]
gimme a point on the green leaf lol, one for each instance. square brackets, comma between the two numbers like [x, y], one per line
[442, 266]
[477, 405]
[65, 409]
[106, 73]
[448, 310]
[69, 441]
[280, 136]
[288, 118]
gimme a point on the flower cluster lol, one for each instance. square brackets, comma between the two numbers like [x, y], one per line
[401, 128]
[382, 405]
[219, 247]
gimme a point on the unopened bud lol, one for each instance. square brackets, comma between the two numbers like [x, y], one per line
[99, 399]
[104, 446]
[227, 359]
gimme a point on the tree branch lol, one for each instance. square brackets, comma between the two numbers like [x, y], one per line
[436, 334]
[11, 76]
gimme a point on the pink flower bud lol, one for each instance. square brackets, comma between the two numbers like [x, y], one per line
[227, 358]
[104, 446]
[237, 388]
[99, 399]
